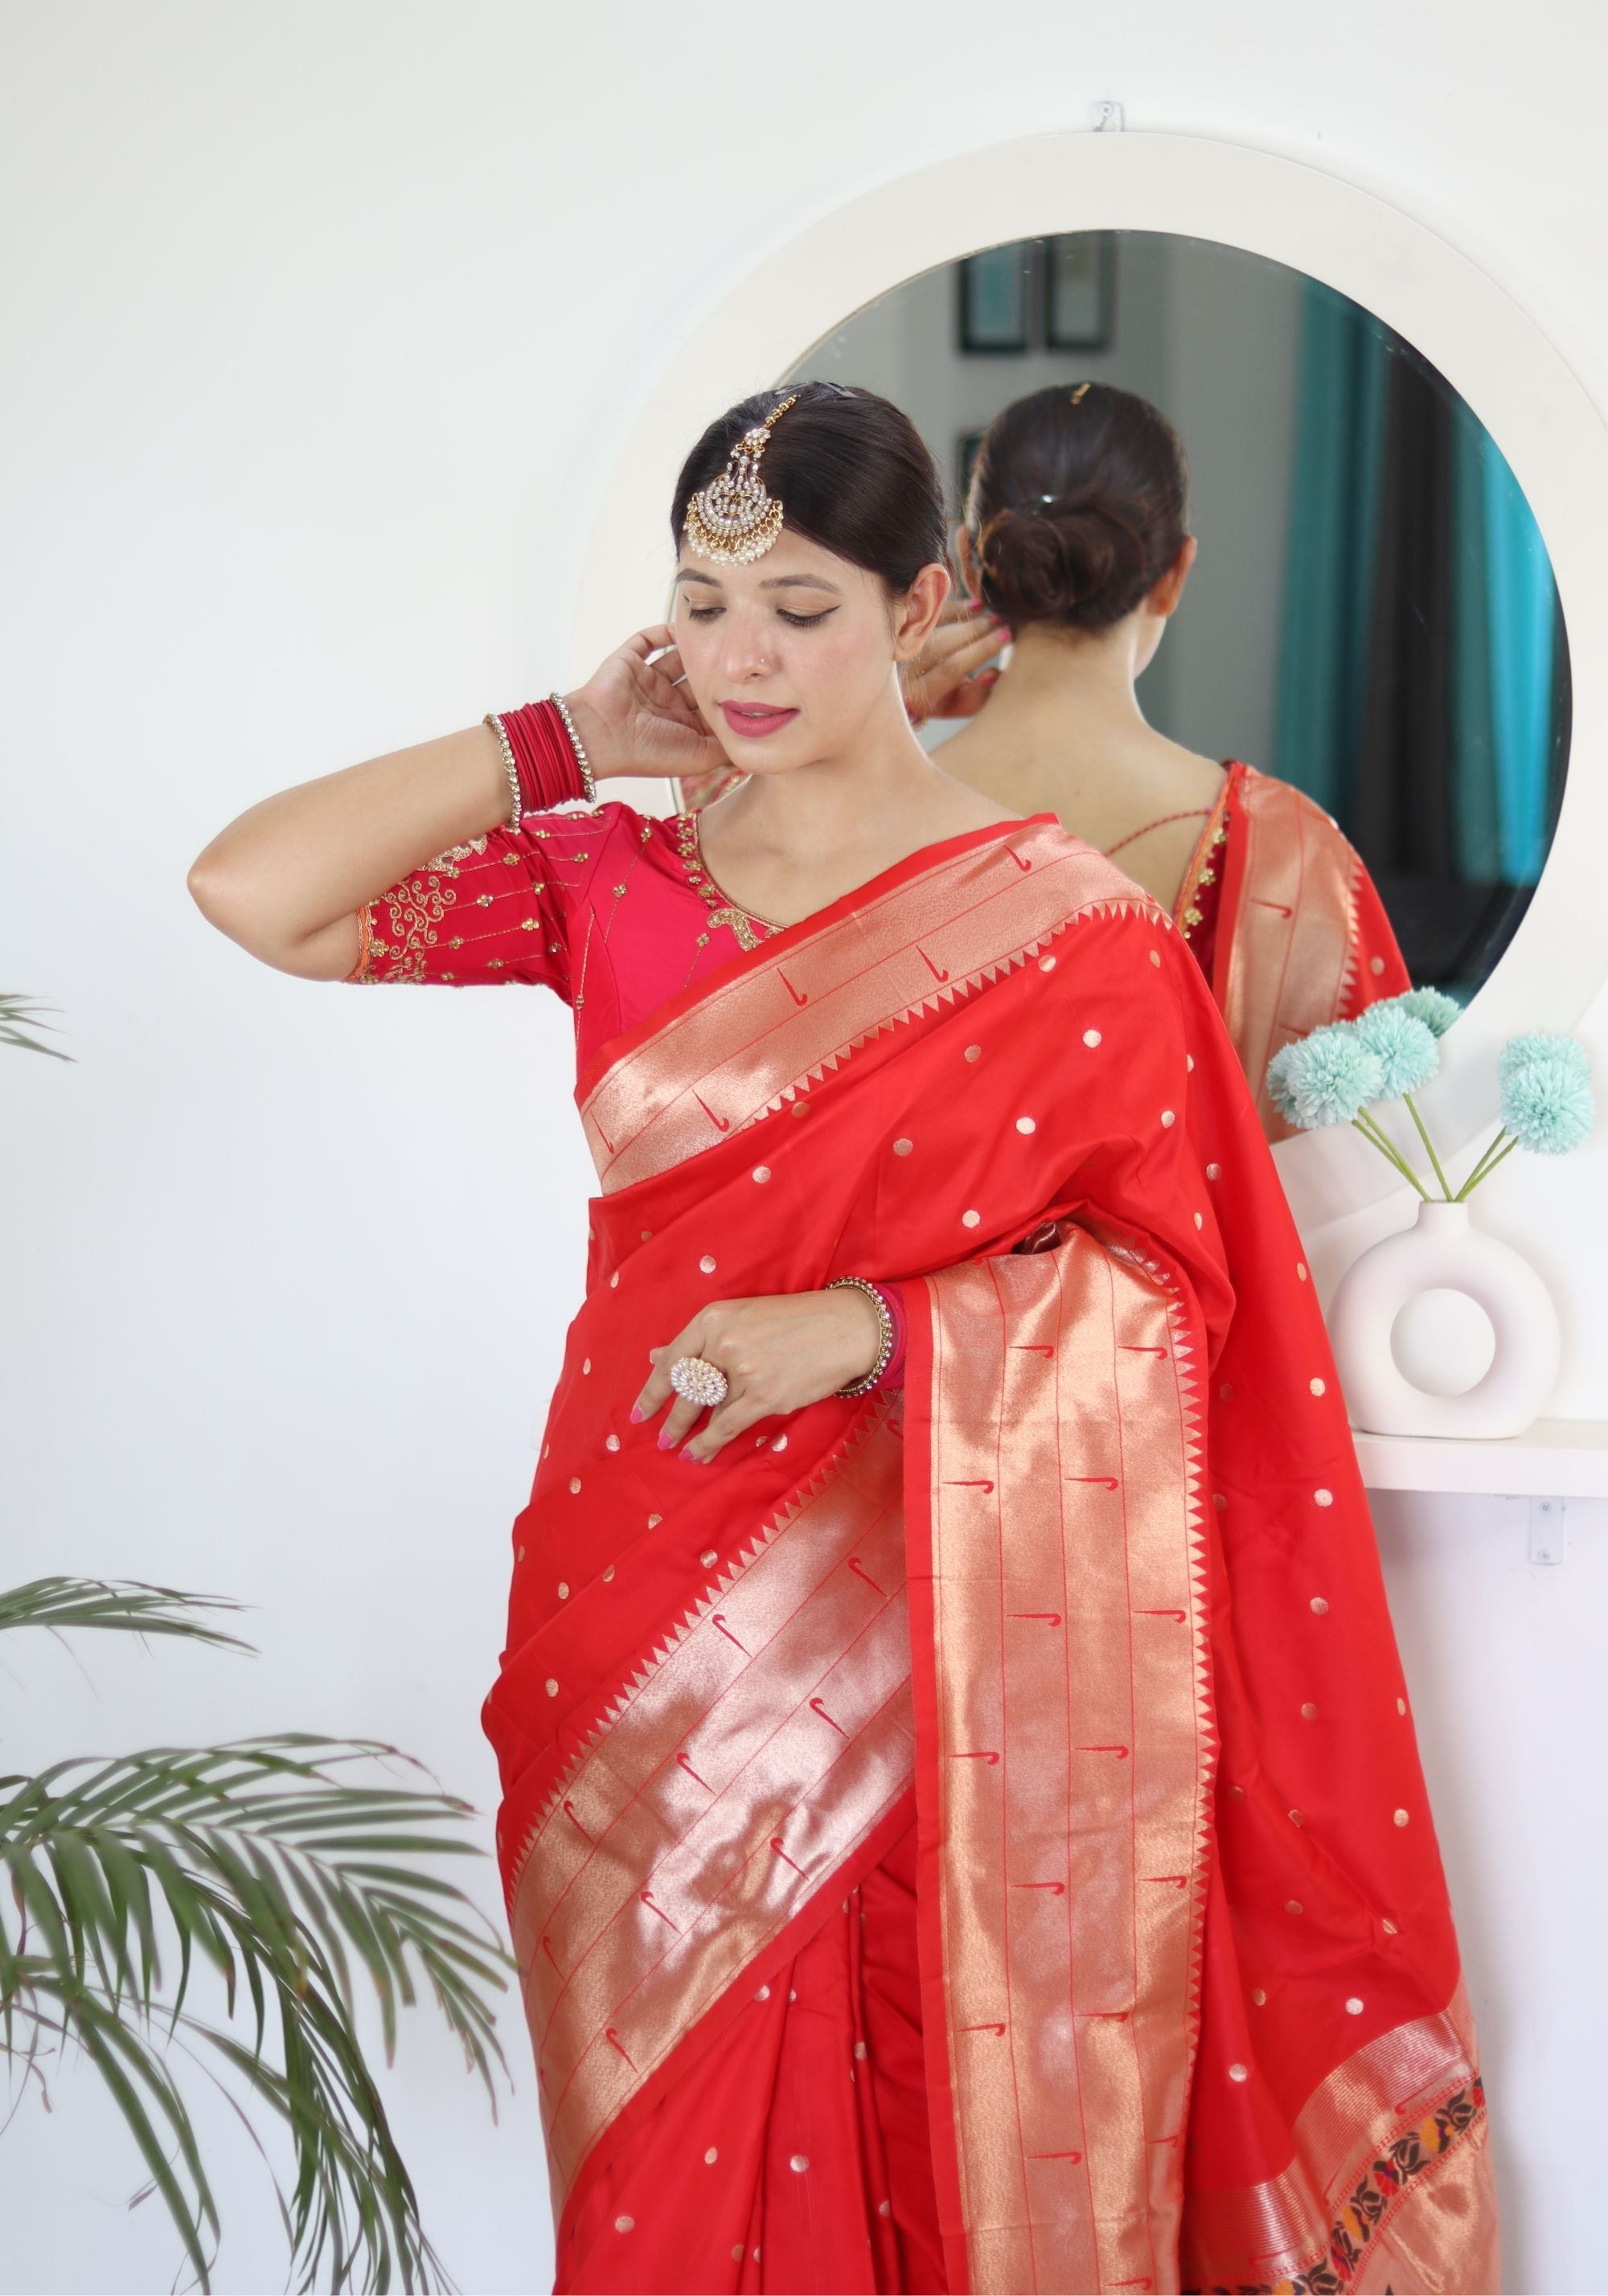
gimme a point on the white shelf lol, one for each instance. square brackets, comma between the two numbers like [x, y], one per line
[1556, 1458]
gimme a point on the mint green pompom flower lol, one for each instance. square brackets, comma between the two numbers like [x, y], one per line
[1405, 1045]
[1327, 1078]
[1534, 1044]
[1433, 1006]
[1545, 1094]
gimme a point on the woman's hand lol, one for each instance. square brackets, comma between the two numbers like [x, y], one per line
[949, 676]
[778, 1354]
[636, 720]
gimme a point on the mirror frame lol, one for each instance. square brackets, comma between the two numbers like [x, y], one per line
[1488, 348]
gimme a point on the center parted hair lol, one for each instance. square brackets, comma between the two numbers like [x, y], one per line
[849, 471]
[1078, 505]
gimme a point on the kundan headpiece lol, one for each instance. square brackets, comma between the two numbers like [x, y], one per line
[732, 518]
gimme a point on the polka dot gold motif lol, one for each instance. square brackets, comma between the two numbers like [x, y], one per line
[1091, 1038]
[1155, 956]
[608, 1574]
[1236, 1793]
[1376, 965]
[737, 2253]
[761, 1173]
[1292, 1904]
[564, 1590]
[1214, 1171]
[799, 2163]
[1026, 1124]
[971, 1219]
[1318, 1386]
[1323, 1498]
[1226, 1390]
[903, 1147]
[610, 1442]
[1300, 1269]
[1389, 1928]
[586, 1367]
[1238, 2073]
[1401, 1706]
[1354, 2006]
[711, 2156]
[1401, 1817]
[1309, 1712]
[574, 1485]
[974, 1052]
[707, 1264]
[1219, 1501]
[1258, 1996]
[859, 2049]
[1319, 1605]
[884, 2208]
[551, 1687]
[654, 1521]
[1168, 1117]
[625, 2224]
[1199, 1219]
[1297, 1817]
[1046, 964]
[763, 1994]
[708, 1558]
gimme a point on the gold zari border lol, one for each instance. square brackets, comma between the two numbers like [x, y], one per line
[1293, 948]
[1074, 1752]
[729, 1782]
[765, 1033]
[1389, 2187]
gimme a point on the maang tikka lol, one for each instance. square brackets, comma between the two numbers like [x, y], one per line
[732, 518]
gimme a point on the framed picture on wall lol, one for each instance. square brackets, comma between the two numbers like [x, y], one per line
[996, 299]
[1079, 291]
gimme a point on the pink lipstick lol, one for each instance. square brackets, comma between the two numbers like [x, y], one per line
[754, 720]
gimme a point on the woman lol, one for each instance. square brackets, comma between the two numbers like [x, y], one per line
[1076, 542]
[961, 1826]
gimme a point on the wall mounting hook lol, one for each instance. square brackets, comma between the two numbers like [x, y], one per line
[1108, 117]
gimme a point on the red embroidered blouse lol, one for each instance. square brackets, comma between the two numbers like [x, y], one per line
[613, 909]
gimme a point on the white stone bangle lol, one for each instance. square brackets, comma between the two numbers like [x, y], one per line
[589, 785]
[517, 808]
[885, 1325]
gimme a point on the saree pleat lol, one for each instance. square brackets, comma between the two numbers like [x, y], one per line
[1163, 1990]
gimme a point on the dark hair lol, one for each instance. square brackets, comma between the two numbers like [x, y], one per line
[1077, 506]
[851, 472]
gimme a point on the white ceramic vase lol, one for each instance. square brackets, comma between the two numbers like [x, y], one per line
[1444, 1250]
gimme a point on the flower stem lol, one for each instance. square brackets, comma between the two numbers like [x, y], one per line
[1429, 1145]
[1484, 1169]
[1370, 1131]
[1481, 1161]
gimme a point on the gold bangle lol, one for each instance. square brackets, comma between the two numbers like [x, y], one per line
[885, 1325]
[589, 785]
[517, 810]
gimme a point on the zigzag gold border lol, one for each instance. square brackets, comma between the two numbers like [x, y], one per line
[745, 1760]
[786, 1019]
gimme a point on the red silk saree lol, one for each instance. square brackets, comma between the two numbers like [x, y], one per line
[978, 1842]
[1285, 921]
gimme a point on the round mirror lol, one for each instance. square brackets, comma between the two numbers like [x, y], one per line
[1372, 615]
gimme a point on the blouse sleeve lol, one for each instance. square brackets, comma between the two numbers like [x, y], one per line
[494, 910]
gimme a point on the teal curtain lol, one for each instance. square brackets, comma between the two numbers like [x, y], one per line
[1332, 539]
[1506, 667]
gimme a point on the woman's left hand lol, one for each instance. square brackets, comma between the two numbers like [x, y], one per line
[778, 1354]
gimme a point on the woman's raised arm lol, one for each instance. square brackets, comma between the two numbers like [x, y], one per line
[287, 879]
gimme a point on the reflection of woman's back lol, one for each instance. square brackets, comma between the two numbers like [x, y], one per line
[1075, 536]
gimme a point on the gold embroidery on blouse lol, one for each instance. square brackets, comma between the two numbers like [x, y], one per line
[748, 930]
[1200, 871]
[414, 908]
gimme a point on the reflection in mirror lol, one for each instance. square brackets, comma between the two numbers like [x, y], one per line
[1373, 617]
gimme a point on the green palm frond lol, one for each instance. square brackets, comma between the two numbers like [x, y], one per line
[290, 1878]
[18, 1015]
[124, 1603]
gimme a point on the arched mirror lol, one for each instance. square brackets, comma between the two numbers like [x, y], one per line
[1372, 615]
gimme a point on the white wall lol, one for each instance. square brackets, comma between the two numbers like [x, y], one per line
[320, 318]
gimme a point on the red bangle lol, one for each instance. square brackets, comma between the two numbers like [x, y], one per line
[544, 756]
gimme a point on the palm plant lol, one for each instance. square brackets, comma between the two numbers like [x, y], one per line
[271, 1861]
[287, 1866]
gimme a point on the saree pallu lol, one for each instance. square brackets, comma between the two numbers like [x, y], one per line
[1298, 936]
[1098, 1609]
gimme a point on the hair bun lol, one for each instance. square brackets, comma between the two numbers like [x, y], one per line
[1078, 559]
